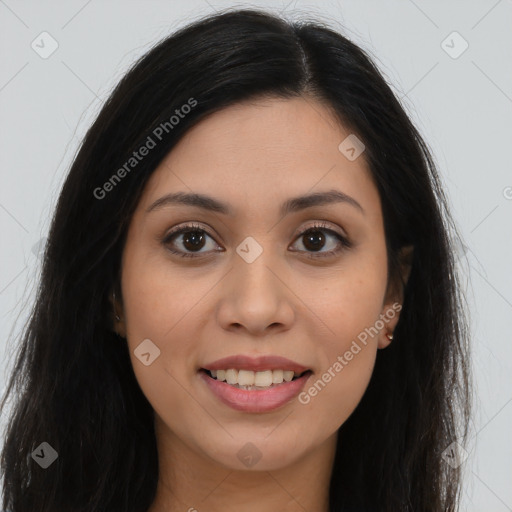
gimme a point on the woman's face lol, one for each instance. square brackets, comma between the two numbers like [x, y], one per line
[246, 283]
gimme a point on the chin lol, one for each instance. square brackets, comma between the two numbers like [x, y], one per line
[258, 452]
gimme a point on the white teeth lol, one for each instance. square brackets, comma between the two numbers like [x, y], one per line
[263, 379]
[245, 378]
[277, 376]
[232, 376]
[287, 375]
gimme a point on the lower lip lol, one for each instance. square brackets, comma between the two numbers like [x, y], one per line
[255, 401]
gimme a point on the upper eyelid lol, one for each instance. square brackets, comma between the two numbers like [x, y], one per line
[321, 225]
[317, 224]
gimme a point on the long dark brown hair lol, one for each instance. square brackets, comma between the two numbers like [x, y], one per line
[73, 383]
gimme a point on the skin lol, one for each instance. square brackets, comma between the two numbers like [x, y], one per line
[254, 156]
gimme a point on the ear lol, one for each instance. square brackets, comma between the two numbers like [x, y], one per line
[394, 299]
[118, 325]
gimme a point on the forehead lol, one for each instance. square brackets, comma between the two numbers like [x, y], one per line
[259, 152]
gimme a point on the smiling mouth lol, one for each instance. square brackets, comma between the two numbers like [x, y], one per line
[253, 381]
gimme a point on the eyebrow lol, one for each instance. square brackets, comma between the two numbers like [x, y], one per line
[291, 205]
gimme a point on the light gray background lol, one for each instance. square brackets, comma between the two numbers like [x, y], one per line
[462, 107]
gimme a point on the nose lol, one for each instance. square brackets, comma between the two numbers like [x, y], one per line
[256, 298]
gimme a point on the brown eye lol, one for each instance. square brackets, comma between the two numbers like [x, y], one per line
[317, 237]
[314, 240]
[191, 238]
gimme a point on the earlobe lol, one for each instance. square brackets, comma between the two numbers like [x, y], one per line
[395, 297]
[384, 340]
[390, 318]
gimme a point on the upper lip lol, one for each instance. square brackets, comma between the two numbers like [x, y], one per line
[259, 363]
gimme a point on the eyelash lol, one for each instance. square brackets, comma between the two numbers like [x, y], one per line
[344, 243]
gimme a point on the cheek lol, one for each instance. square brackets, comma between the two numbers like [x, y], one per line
[350, 303]
[161, 307]
[350, 307]
[333, 392]
[159, 300]
[332, 395]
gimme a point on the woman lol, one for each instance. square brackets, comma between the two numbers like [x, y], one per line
[248, 297]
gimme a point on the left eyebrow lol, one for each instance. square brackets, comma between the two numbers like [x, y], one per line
[291, 205]
[318, 199]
